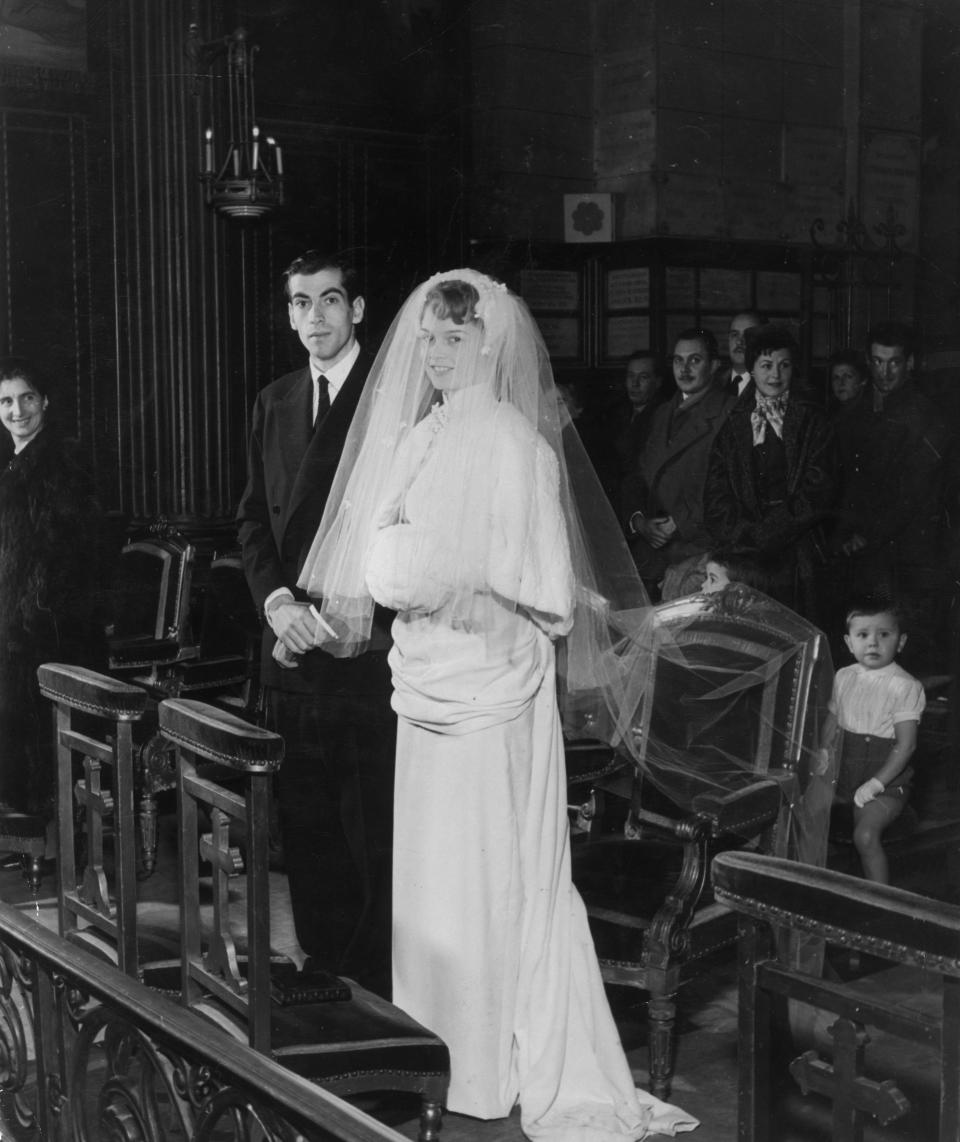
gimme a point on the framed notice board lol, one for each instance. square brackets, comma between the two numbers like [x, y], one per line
[556, 300]
[596, 307]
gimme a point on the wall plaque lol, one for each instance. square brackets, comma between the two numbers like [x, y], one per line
[681, 287]
[551, 289]
[628, 288]
[890, 183]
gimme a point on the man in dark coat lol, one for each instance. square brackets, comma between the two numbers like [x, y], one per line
[643, 383]
[890, 535]
[665, 514]
[336, 781]
[735, 376]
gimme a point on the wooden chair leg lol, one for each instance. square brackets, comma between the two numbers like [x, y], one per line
[147, 822]
[431, 1119]
[661, 1023]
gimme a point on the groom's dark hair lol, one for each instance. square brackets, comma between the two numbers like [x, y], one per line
[313, 261]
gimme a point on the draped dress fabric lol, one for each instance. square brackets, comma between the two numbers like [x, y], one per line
[491, 946]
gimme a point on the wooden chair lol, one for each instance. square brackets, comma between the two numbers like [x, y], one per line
[897, 926]
[226, 671]
[97, 894]
[646, 885]
[351, 1045]
[151, 629]
[182, 625]
[184, 622]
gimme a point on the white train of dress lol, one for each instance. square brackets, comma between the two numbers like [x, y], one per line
[491, 946]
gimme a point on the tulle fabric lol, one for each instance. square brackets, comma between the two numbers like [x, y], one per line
[739, 690]
[488, 462]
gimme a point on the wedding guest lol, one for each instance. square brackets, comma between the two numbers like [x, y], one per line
[772, 474]
[889, 538]
[847, 372]
[877, 705]
[722, 567]
[664, 514]
[52, 607]
[735, 377]
[643, 382]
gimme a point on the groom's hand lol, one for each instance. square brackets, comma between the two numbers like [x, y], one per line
[293, 624]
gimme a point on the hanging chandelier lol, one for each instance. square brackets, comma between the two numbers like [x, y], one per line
[242, 168]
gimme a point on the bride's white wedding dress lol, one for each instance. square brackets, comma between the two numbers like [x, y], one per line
[491, 945]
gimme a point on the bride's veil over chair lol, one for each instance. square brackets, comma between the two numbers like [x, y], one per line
[726, 755]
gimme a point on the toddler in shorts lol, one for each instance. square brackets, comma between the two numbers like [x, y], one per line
[877, 705]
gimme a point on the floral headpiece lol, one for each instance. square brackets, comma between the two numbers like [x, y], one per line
[492, 308]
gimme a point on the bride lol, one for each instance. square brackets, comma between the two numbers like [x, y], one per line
[477, 519]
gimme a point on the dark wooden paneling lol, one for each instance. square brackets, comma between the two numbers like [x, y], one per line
[165, 318]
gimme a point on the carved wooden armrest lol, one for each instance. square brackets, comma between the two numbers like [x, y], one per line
[642, 825]
[745, 811]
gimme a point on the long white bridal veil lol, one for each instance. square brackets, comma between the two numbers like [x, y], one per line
[509, 515]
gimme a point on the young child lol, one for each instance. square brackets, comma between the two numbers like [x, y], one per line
[877, 705]
[723, 567]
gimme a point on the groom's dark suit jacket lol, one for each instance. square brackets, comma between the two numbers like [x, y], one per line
[336, 782]
[290, 473]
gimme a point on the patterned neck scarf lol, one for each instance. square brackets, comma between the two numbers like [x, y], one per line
[768, 410]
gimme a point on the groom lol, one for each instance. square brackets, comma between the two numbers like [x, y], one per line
[336, 782]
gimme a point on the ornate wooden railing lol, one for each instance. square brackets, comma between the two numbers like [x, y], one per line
[86, 1053]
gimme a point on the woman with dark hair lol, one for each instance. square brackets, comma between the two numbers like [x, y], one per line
[772, 476]
[49, 571]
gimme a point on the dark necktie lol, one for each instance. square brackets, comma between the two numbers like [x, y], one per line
[323, 404]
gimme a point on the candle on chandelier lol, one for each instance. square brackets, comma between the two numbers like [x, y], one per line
[208, 151]
[256, 148]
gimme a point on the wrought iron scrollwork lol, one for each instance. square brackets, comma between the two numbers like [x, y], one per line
[114, 1071]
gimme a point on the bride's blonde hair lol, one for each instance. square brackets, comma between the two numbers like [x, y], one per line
[456, 300]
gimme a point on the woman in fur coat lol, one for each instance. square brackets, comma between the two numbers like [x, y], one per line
[772, 475]
[49, 572]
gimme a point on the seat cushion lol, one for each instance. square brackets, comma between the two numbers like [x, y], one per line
[326, 1040]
